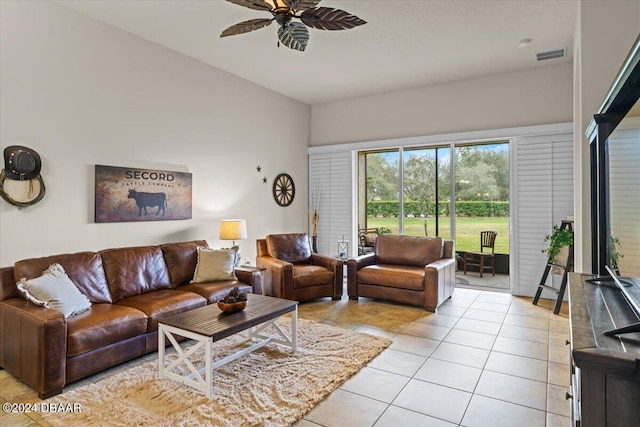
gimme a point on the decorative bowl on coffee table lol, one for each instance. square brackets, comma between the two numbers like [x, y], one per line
[233, 307]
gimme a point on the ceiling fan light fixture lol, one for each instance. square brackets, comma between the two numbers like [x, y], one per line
[277, 6]
[294, 35]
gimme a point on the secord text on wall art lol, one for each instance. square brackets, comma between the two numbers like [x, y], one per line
[130, 194]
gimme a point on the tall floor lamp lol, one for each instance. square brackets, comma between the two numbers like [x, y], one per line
[234, 229]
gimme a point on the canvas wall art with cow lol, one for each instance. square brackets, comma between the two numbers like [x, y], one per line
[132, 194]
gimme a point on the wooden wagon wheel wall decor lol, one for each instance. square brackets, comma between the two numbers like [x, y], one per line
[284, 190]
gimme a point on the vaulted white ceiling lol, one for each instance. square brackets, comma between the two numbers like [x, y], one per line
[405, 44]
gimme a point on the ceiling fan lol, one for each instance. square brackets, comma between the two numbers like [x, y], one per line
[294, 35]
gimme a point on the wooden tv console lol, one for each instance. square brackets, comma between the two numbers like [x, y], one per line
[605, 370]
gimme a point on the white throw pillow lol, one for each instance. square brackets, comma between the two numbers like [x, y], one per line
[214, 265]
[54, 290]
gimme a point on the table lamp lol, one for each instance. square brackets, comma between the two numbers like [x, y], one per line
[234, 229]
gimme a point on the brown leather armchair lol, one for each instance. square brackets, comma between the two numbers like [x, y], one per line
[405, 269]
[296, 272]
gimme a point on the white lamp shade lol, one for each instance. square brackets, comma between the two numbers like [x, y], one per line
[233, 229]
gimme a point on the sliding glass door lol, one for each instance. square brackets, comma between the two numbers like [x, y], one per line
[411, 191]
[482, 195]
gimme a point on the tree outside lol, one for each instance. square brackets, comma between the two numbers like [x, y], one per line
[382, 176]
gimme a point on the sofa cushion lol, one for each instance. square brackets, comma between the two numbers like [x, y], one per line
[166, 301]
[181, 260]
[408, 250]
[83, 268]
[215, 265]
[134, 271]
[293, 247]
[54, 290]
[394, 276]
[215, 291]
[311, 275]
[102, 325]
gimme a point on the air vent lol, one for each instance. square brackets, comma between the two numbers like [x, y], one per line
[551, 54]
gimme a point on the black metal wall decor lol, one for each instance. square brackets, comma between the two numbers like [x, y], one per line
[284, 190]
[22, 167]
[294, 35]
[259, 170]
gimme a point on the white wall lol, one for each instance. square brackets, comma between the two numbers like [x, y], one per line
[524, 98]
[83, 93]
[605, 32]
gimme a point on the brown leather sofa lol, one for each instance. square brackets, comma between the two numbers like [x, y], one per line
[128, 288]
[406, 269]
[296, 272]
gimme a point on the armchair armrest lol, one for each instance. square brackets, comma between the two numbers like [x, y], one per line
[253, 276]
[353, 265]
[325, 261]
[281, 275]
[362, 261]
[441, 263]
[33, 345]
[337, 266]
[439, 282]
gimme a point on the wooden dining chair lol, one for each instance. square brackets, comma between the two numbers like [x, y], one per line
[487, 241]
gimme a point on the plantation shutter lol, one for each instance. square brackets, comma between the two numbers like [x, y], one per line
[543, 193]
[330, 183]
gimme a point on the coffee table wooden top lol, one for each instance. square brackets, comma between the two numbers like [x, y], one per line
[210, 321]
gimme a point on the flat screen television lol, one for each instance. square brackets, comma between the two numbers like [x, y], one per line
[614, 136]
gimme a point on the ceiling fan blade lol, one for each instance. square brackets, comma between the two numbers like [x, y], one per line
[252, 4]
[294, 35]
[303, 4]
[328, 18]
[246, 26]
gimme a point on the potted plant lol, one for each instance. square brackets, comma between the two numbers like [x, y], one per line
[559, 242]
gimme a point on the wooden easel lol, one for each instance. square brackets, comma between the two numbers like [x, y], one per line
[567, 268]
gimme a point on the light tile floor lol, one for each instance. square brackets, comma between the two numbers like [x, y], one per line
[485, 359]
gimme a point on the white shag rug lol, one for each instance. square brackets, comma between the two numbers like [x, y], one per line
[268, 387]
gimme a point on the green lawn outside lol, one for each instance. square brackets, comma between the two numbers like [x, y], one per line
[468, 229]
